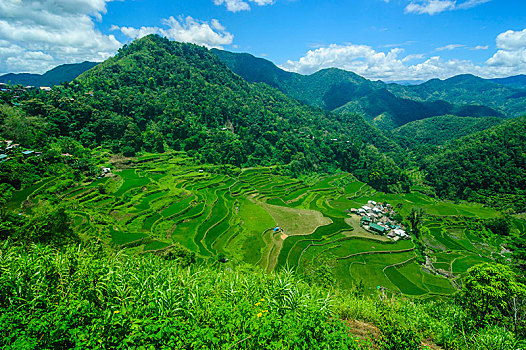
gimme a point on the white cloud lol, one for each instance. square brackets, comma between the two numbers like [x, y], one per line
[392, 65]
[242, 5]
[40, 34]
[512, 52]
[479, 47]
[432, 7]
[511, 40]
[413, 57]
[186, 29]
[471, 3]
[449, 47]
[234, 5]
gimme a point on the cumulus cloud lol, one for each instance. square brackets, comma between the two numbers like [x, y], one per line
[432, 7]
[392, 65]
[185, 29]
[511, 54]
[36, 35]
[241, 5]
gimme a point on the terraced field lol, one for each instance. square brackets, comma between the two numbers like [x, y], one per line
[154, 201]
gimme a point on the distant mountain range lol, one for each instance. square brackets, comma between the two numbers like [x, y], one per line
[517, 81]
[387, 105]
[55, 76]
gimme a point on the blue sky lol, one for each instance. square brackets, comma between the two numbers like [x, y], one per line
[379, 39]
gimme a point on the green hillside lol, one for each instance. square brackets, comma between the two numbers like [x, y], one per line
[346, 92]
[164, 252]
[518, 81]
[161, 201]
[467, 90]
[439, 130]
[156, 93]
[483, 165]
[156, 202]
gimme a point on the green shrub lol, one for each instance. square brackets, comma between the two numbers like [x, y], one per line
[494, 338]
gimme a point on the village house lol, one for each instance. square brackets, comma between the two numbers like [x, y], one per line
[377, 217]
[28, 153]
[105, 171]
[377, 228]
[365, 220]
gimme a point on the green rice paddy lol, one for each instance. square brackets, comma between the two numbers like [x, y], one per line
[161, 200]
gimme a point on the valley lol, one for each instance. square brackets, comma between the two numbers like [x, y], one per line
[175, 196]
[150, 203]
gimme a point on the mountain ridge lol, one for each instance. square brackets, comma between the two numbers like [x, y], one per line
[54, 76]
[386, 105]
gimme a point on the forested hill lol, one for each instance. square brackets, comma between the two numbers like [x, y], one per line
[467, 89]
[55, 76]
[439, 130]
[156, 92]
[386, 105]
[485, 166]
[518, 81]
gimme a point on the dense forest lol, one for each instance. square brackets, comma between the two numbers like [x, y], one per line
[467, 89]
[483, 165]
[157, 93]
[436, 131]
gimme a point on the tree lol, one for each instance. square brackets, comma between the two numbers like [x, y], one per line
[489, 291]
[319, 271]
[499, 226]
[6, 192]
[415, 219]
[50, 226]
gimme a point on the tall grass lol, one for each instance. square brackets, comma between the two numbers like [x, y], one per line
[84, 297]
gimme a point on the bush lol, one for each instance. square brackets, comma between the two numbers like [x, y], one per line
[397, 335]
[494, 338]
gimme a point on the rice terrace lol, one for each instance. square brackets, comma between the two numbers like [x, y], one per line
[150, 203]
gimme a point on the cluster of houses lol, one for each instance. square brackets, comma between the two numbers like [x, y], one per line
[8, 147]
[378, 218]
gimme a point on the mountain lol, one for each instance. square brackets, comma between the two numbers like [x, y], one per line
[327, 89]
[436, 131]
[388, 111]
[482, 166]
[346, 92]
[467, 90]
[55, 76]
[518, 81]
[156, 93]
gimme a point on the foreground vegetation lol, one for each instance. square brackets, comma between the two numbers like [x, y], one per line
[87, 297]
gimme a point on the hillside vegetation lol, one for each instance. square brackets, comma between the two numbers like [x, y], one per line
[483, 165]
[84, 297]
[439, 130]
[157, 93]
[386, 105]
[160, 201]
[465, 90]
